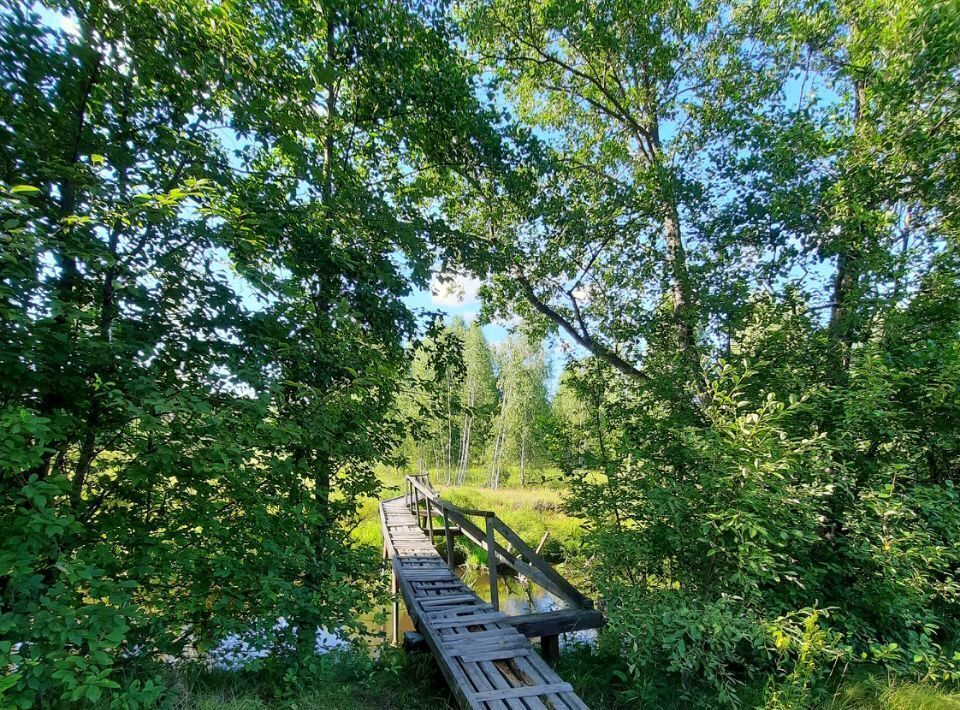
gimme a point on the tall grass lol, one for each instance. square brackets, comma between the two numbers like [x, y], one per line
[879, 693]
[530, 510]
[345, 681]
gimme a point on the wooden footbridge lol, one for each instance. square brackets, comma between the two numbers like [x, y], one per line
[484, 654]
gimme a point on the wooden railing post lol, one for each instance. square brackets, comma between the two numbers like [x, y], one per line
[430, 520]
[550, 648]
[448, 534]
[394, 588]
[492, 564]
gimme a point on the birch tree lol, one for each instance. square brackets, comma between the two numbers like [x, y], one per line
[479, 398]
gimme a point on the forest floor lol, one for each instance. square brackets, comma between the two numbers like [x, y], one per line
[396, 681]
[384, 691]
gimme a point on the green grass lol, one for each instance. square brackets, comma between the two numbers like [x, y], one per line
[396, 681]
[479, 476]
[530, 510]
[400, 682]
[368, 531]
[877, 693]
[601, 680]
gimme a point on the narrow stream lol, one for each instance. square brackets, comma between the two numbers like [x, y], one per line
[516, 598]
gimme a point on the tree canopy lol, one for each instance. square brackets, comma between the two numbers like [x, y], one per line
[740, 218]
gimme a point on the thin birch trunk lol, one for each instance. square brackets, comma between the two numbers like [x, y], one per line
[523, 453]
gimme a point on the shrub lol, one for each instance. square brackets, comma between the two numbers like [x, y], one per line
[766, 543]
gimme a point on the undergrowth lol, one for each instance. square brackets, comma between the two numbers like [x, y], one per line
[339, 681]
[602, 681]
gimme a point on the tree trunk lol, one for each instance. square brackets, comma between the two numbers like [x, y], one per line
[841, 331]
[465, 440]
[523, 455]
[680, 282]
[448, 458]
[308, 622]
[498, 445]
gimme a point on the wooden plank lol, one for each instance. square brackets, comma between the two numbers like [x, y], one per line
[499, 682]
[460, 611]
[453, 672]
[430, 521]
[492, 563]
[492, 669]
[543, 566]
[493, 655]
[475, 620]
[451, 599]
[551, 623]
[474, 533]
[448, 539]
[472, 636]
[482, 684]
[425, 574]
[533, 676]
[524, 691]
[538, 569]
[457, 647]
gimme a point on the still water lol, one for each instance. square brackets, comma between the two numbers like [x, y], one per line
[516, 597]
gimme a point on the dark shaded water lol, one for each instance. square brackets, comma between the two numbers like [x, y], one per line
[516, 598]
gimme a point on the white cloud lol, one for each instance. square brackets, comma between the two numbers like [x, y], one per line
[508, 323]
[69, 25]
[454, 290]
[582, 293]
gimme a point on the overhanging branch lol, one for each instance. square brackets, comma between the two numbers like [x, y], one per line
[580, 335]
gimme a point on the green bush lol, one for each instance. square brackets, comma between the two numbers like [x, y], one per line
[768, 544]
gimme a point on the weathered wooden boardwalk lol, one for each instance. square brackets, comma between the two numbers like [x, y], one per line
[484, 654]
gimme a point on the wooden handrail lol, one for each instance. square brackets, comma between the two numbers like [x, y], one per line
[429, 492]
[534, 567]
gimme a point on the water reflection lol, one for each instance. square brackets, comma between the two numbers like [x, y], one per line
[237, 651]
[516, 597]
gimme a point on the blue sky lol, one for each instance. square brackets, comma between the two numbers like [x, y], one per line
[460, 299]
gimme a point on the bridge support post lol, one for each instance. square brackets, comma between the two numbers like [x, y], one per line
[492, 564]
[396, 606]
[550, 649]
[449, 539]
[416, 503]
[430, 520]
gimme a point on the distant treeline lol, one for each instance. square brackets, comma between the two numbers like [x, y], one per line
[481, 406]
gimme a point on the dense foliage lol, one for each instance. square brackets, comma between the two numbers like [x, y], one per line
[209, 222]
[745, 213]
[739, 216]
[479, 406]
